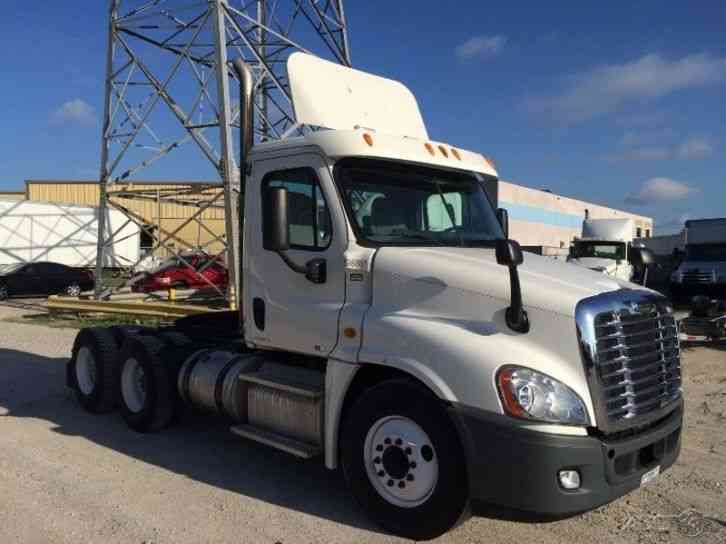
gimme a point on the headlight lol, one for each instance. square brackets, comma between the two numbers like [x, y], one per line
[527, 394]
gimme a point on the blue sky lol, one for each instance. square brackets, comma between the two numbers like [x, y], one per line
[620, 103]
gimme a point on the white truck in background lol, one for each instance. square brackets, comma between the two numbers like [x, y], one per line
[703, 270]
[605, 246]
[389, 326]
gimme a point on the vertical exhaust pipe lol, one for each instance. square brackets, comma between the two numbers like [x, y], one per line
[246, 141]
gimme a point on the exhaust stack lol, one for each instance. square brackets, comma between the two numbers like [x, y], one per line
[246, 141]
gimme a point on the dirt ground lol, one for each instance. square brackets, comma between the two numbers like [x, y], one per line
[67, 476]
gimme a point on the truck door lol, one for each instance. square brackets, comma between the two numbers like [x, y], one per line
[284, 309]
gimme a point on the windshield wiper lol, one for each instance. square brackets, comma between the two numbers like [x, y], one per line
[417, 236]
[452, 218]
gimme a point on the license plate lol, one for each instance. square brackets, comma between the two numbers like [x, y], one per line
[649, 476]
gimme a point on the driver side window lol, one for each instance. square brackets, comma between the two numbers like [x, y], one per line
[309, 218]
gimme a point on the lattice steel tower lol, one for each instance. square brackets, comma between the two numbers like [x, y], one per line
[170, 94]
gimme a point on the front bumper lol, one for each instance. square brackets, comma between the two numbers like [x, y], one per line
[516, 468]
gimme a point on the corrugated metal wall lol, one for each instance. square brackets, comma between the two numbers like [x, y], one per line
[165, 215]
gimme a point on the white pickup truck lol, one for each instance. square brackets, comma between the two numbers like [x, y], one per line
[389, 326]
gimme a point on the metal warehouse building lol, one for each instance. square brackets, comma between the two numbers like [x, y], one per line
[537, 217]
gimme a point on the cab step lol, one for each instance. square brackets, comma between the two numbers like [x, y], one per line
[269, 438]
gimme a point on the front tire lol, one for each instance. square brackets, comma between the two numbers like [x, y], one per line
[404, 462]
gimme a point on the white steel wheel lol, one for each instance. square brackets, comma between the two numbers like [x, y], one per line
[3, 292]
[73, 290]
[86, 370]
[401, 461]
[133, 385]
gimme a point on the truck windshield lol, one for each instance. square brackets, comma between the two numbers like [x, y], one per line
[706, 252]
[392, 203]
[602, 250]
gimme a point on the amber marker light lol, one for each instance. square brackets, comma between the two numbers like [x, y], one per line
[368, 139]
[455, 153]
[430, 149]
[443, 151]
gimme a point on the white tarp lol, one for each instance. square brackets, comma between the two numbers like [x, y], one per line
[38, 231]
[325, 94]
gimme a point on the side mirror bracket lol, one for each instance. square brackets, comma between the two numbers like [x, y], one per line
[509, 254]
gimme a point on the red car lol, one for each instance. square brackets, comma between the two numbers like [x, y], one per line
[191, 271]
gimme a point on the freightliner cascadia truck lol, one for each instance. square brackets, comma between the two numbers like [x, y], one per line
[389, 327]
[605, 246]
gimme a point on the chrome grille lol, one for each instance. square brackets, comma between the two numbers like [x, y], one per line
[630, 339]
[695, 276]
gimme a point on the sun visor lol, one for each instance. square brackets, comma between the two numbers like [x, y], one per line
[329, 95]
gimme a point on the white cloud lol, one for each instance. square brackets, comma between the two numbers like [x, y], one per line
[480, 46]
[661, 190]
[695, 148]
[608, 88]
[75, 111]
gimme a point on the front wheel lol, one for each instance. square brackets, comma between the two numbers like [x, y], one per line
[404, 462]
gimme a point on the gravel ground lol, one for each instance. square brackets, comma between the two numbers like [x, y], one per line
[67, 476]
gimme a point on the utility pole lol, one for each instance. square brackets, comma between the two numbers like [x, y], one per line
[169, 87]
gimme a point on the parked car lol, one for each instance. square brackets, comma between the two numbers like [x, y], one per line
[189, 271]
[43, 278]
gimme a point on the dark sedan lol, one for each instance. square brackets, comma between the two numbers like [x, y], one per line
[43, 279]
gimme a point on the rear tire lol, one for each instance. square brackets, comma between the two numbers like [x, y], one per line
[93, 370]
[147, 380]
[73, 290]
[404, 462]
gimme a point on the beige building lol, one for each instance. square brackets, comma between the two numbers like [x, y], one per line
[12, 195]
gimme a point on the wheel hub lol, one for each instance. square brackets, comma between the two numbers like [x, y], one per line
[400, 461]
[395, 462]
[133, 385]
[85, 370]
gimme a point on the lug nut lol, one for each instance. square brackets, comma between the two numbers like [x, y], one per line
[387, 441]
[377, 460]
[379, 448]
[408, 451]
[409, 477]
[413, 464]
[399, 442]
[401, 484]
[390, 483]
[381, 473]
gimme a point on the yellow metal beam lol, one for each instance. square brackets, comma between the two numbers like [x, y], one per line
[127, 307]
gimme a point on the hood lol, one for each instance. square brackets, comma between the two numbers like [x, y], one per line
[547, 284]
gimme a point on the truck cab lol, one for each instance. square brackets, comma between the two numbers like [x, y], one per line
[389, 326]
[703, 269]
[606, 247]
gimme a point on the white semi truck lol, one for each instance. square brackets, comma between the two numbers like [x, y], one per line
[703, 270]
[388, 326]
[605, 246]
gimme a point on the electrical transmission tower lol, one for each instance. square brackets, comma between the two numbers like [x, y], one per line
[171, 95]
